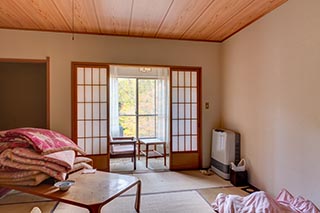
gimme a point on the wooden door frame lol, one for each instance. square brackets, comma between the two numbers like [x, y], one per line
[199, 113]
[74, 111]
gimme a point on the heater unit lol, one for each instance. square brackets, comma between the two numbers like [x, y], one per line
[224, 150]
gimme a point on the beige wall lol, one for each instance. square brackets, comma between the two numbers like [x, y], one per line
[271, 73]
[91, 48]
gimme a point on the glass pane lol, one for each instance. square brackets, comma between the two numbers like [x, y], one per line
[80, 111]
[187, 95]
[127, 96]
[103, 143]
[103, 93]
[95, 75]
[174, 95]
[188, 143]
[181, 79]
[181, 111]
[181, 143]
[103, 128]
[95, 94]
[95, 112]
[174, 144]
[193, 79]
[96, 128]
[146, 88]
[194, 95]
[88, 129]
[88, 111]
[181, 127]
[187, 78]
[194, 111]
[174, 111]
[81, 143]
[181, 94]
[127, 125]
[103, 111]
[80, 91]
[187, 111]
[194, 143]
[80, 128]
[80, 71]
[194, 126]
[103, 76]
[147, 126]
[174, 127]
[174, 78]
[87, 77]
[88, 94]
[96, 146]
[88, 144]
[187, 127]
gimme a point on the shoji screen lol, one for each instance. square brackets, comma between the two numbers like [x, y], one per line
[185, 114]
[90, 108]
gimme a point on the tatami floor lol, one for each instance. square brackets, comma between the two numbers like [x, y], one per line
[162, 191]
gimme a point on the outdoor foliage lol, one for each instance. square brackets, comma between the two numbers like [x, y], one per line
[144, 110]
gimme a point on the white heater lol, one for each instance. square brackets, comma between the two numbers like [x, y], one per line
[224, 150]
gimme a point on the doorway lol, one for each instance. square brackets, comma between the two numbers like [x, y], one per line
[145, 102]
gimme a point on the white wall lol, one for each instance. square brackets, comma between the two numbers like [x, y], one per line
[92, 48]
[270, 91]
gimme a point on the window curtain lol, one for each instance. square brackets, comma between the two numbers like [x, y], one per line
[162, 103]
[114, 102]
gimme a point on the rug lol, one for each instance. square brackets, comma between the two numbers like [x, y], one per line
[177, 181]
[175, 202]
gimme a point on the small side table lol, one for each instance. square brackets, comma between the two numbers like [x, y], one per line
[152, 153]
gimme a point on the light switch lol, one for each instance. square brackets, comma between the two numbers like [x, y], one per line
[207, 105]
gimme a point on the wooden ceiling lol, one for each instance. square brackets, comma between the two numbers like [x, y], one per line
[201, 20]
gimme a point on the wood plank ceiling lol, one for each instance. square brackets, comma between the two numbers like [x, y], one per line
[201, 20]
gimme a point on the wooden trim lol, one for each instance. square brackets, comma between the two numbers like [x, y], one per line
[175, 67]
[48, 91]
[199, 85]
[21, 60]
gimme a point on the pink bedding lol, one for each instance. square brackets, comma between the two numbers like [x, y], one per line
[263, 203]
[43, 141]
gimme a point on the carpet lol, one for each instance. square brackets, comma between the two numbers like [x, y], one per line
[175, 202]
[177, 181]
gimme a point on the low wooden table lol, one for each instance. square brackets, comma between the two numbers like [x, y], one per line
[91, 191]
[152, 153]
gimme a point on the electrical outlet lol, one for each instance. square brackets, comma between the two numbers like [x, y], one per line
[207, 105]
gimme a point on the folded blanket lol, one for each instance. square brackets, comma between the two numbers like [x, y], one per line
[43, 141]
[63, 158]
[6, 161]
[17, 174]
[10, 154]
[31, 180]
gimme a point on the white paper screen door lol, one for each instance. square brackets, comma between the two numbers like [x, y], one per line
[90, 106]
[185, 119]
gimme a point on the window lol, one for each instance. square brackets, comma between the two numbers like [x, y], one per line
[139, 102]
[137, 107]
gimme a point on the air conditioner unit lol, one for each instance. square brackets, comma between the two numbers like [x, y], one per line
[224, 150]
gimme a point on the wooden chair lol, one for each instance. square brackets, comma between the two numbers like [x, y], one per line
[123, 147]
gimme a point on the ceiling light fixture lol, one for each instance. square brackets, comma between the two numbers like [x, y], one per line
[145, 69]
